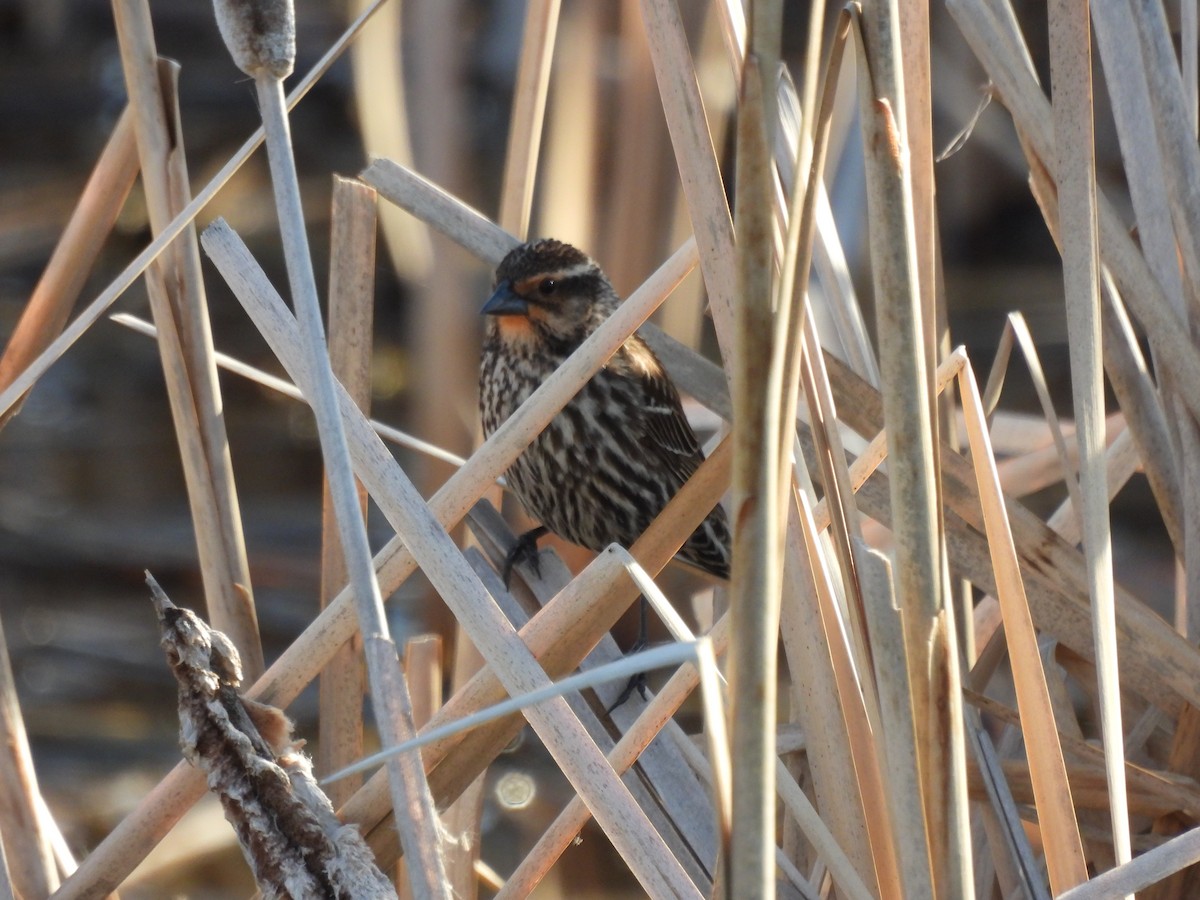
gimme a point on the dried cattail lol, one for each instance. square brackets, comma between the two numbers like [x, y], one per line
[260, 35]
[289, 833]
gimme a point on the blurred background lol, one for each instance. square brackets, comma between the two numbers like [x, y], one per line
[91, 489]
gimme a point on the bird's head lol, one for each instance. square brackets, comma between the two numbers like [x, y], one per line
[548, 291]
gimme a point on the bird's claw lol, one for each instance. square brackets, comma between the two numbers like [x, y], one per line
[636, 683]
[524, 550]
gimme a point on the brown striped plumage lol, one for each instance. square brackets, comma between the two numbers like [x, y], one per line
[605, 466]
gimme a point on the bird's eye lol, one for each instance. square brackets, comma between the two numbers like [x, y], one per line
[547, 286]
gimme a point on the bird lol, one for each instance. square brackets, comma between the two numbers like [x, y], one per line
[608, 462]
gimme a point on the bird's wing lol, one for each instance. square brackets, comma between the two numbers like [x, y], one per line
[667, 433]
[659, 426]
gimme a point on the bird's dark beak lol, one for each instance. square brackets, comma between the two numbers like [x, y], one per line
[505, 302]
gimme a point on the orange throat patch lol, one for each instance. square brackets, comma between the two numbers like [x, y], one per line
[515, 328]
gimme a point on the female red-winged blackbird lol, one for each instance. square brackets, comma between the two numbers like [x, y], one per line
[607, 464]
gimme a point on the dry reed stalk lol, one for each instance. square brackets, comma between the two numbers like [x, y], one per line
[1056, 815]
[417, 825]
[1135, 390]
[50, 304]
[826, 250]
[808, 181]
[30, 869]
[930, 659]
[687, 319]
[813, 827]
[570, 625]
[569, 191]
[1011, 850]
[261, 39]
[844, 627]
[789, 879]
[463, 818]
[1028, 473]
[287, 389]
[423, 669]
[474, 608]
[1139, 399]
[899, 769]
[1133, 115]
[633, 742]
[697, 162]
[351, 315]
[1121, 460]
[778, 388]
[842, 515]
[177, 300]
[442, 331]
[1157, 791]
[423, 663]
[1189, 27]
[528, 114]
[1179, 170]
[794, 320]
[536, 864]
[94, 310]
[195, 335]
[1070, 63]
[757, 531]
[803, 225]
[644, 192]
[439, 209]
[1149, 868]
[562, 633]
[904, 795]
[913, 27]
[377, 61]
[797, 345]
[857, 404]
[1006, 64]
[812, 76]
[889, 655]
[1156, 659]
[1016, 332]
[687, 821]
[1010, 863]
[845, 763]
[834, 272]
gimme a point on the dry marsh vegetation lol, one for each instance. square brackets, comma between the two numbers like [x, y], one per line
[924, 678]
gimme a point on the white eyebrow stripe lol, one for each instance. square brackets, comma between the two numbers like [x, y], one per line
[582, 268]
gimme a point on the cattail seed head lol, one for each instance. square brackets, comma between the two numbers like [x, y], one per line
[260, 34]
